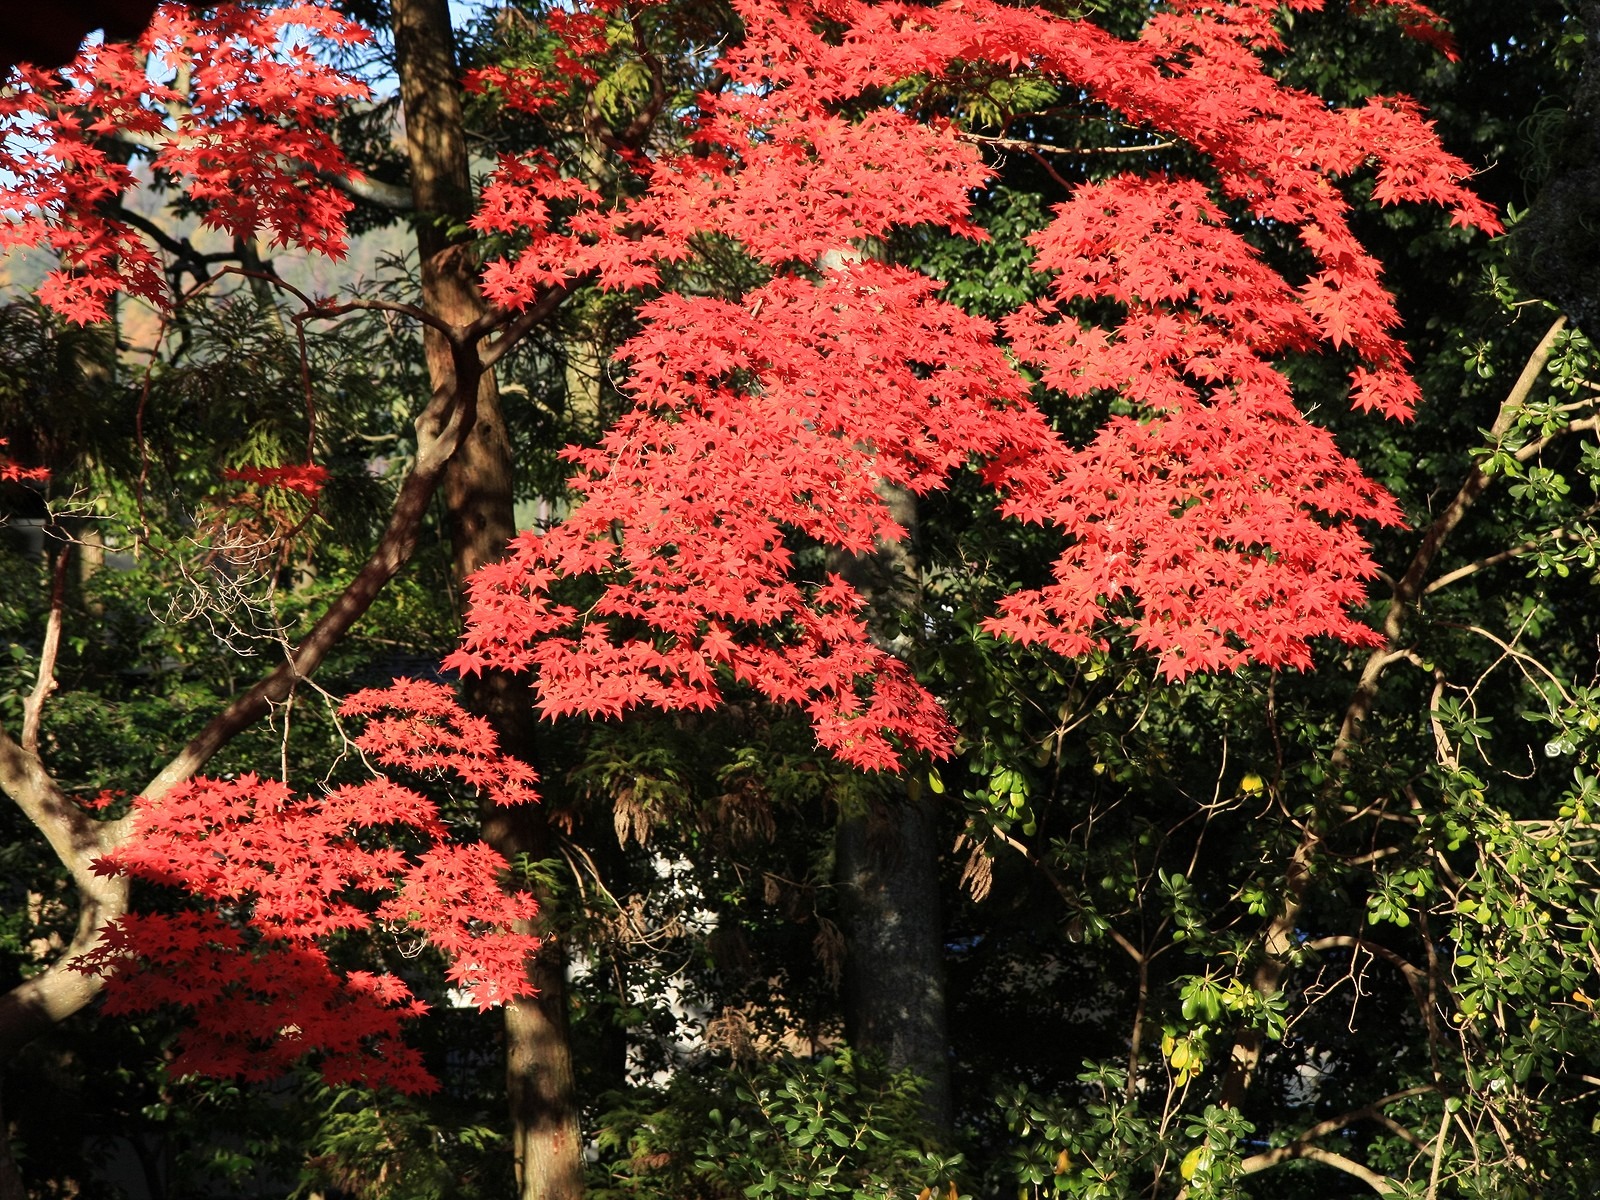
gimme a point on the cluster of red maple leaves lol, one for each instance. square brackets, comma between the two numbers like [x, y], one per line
[1215, 525]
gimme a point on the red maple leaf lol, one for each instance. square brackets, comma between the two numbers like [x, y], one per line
[1220, 527]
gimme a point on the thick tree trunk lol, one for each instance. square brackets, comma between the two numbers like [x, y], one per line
[478, 500]
[887, 866]
[539, 1079]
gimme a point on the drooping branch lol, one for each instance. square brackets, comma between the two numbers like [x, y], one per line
[38, 1003]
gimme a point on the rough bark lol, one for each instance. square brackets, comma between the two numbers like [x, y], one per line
[478, 500]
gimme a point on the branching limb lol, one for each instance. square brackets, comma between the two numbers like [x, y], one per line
[185, 256]
[78, 840]
[1278, 939]
[35, 1005]
[1521, 657]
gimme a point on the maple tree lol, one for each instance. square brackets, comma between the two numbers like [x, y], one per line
[249, 842]
[1227, 562]
[1214, 523]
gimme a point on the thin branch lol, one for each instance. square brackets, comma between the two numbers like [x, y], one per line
[1260, 1162]
[393, 196]
[1136, 1037]
[1372, 856]
[1494, 560]
[1031, 147]
[515, 330]
[1512, 652]
[325, 310]
[639, 128]
[1538, 445]
[33, 706]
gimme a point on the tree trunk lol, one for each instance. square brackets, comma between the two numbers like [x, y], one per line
[887, 863]
[887, 866]
[477, 493]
